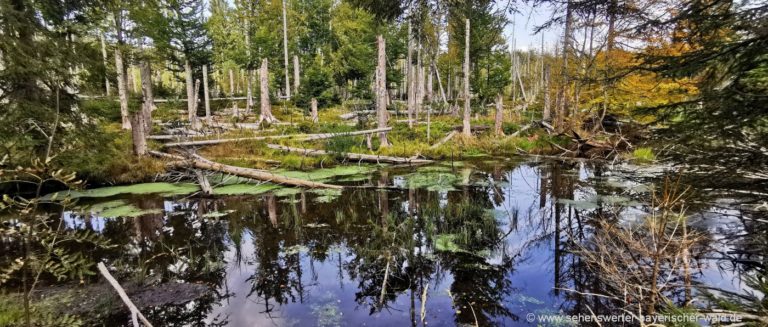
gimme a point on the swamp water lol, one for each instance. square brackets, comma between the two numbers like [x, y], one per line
[482, 242]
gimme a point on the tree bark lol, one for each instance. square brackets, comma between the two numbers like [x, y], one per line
[296, 74]
[122, 89]
[203, 163]
[206, 96]
[285, 52]
[410, 78]
[547, 114]
[381, 89]
[104, 56]
[351, 156]
[467, 130]
[266, 106]
[564, 105]
[191, 111]
[419, 83]
[499, 115]
[313, 106]
[148, 96]
[300, 137]
[138, 134]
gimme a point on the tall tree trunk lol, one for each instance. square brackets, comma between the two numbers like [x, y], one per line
[191, 108]
[381, 89]
[439, 83]
[122, 89]
[249, 91]
[410, 77]
[429, 86]
[206, 96]
[138, 134]
[296, 74]
[285, 53]
[105, 58]
[313, 107]
[419, 82]
[146, 88]
[266, 106]
[547, 114]
[564, 105]
[499, 115]
[466, 128]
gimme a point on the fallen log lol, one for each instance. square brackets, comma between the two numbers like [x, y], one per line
[203, 163]
[301, 137]
[351, 156]
[135, 313]
[445, 139]
[354, 114]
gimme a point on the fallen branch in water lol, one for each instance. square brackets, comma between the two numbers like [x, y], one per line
[300, 137]
[120, 291]
[351, 156]
[203, 163]
[445, 139]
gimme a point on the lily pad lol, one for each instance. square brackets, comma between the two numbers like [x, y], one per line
[326, 195]
[296, 249]
[325, 174]
[240, 189]
[217, 214]
[167, 189]
[435, 181]
[286, 191]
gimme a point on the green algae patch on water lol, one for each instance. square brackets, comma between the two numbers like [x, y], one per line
[432, 181]
[326, 174]
[245, 189]
[117, 208]
[326, 195]
[166, 189]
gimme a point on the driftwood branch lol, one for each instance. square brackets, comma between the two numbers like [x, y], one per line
[445, 139]
[351, 156]
[120, 291]
[301, 137]
[202, 163]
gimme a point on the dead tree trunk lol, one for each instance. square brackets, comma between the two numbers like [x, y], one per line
[381, 89]
[499, 115]
[266, 106]
[296, 74]
[285, 53]
[547, 114]
[148, 97]
[191, 111]
[419, 83]
[104, 56]
[467, 130]
[410, 77]
[137, 133]
[122, 89]
[249, 90]
[313, 107]
[207, 98]
[203, 163]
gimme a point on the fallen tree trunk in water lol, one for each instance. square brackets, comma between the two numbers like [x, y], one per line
[445, 139]
[202, 163]
[301, 137]
[351, 156]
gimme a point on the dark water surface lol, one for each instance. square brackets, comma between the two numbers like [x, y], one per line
[484, 242]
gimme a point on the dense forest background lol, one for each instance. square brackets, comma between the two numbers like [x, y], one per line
[695, 70]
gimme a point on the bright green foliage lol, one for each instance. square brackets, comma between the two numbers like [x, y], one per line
[643, 154]
[492, 76]
[317, 83]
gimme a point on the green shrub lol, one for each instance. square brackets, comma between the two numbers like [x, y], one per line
[643, 154]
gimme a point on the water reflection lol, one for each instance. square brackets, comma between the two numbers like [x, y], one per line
[489, 250]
